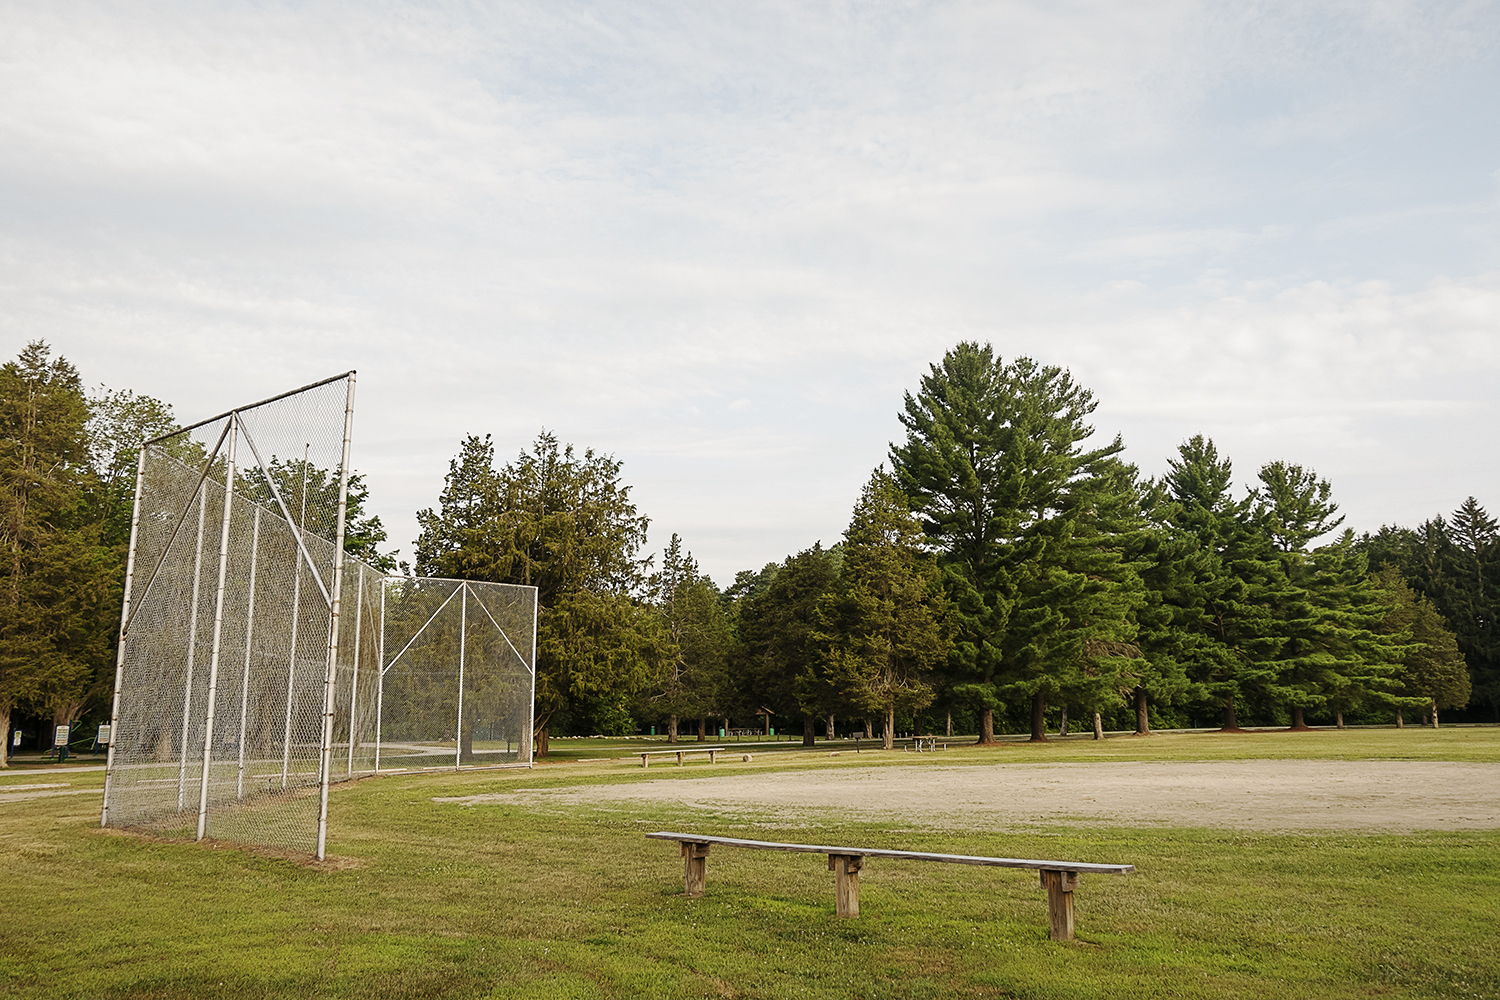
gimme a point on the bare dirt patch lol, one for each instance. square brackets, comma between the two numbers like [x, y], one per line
[1393, 796]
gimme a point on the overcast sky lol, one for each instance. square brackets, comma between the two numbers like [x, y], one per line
[719, 240]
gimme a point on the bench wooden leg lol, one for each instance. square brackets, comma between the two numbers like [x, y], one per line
[711, 756]
[679, 758]
[645, 760]
[846, 868]
[1060, 886]
[694, 868]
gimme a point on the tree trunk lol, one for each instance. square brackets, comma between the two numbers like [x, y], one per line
[809, 730]
[888, 728]
[987, 726]
[1424, 718]
[830, 725]
[1039, 718]
[5, 747]
[869, 730]
[1098, 727]
[1297, 720]
[702, 729]
[542, 737]
[950, 724]
[1400, 723]
[1338, 718]
[1231, 721]
[672, 728]
[726, 726]
[1434, 715]
[1062, 726]
[1142, 713]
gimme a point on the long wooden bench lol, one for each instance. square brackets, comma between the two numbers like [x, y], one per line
[1059, 878]
[712, 752]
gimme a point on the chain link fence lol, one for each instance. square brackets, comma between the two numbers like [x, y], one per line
[251, 654]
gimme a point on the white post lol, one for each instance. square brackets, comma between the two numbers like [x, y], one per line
[463, 628]
[114, 711]
[213, 655]
[530, 735]
[359, 614]
[239, 791]
[380, 691]
[333, 622]
[187, 684]
[291, 666]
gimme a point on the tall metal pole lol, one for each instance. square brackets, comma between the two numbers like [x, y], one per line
[213, 655]
[333, 620]
[531, 712]
[239, 791]
[291, 665]
[114, 711]
[187, 684]
[463, 635]
[380, 691]
[359, 614]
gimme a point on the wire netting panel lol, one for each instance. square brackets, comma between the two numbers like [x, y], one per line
[224, 658]
[458, 676]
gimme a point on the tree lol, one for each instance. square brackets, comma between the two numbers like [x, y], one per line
[994, 467]
[883, 626]
[699, 642]
[57, 576]
[1203, 578]
[1433, 673]
[779, 654]
[565, 524]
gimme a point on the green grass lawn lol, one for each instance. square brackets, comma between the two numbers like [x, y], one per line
[423, 899]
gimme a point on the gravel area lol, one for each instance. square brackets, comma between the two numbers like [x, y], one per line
[1265, 795]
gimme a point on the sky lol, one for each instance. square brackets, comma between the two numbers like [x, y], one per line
[719, 241]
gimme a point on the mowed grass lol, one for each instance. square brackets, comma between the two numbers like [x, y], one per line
[428, 899]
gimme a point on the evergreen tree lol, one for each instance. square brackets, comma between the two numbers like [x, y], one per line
[58, 578]
[1433, 673]
[565, 524]
[994, 465]
[778, 653]
[699, 642]
[882, 627]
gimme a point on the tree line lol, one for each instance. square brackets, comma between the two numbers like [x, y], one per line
[1004, 565]
[1004, 570]
[68, 459]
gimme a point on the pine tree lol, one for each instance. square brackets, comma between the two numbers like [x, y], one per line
[1433, 674]
[882, 629]
[994, 465]
[692, 677]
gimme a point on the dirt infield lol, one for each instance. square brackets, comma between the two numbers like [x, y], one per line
[1265, 795]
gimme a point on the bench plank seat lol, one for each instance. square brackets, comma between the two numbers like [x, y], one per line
[877, 852]
[1059, 878]
[712, 752]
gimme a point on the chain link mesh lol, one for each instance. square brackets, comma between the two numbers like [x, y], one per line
[457, 685]
[224, 665]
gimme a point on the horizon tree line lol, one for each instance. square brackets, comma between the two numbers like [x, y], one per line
[1004, 569]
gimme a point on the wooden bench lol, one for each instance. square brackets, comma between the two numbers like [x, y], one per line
[1059, 878]
[679, 751]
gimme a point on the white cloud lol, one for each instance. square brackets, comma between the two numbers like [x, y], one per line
[721, 241]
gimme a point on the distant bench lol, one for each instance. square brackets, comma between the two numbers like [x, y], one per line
[1059, 878]
[679, 751]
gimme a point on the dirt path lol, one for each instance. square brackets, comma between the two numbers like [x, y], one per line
[1395, 796]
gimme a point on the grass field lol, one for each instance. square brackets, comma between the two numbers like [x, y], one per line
[426, 899]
